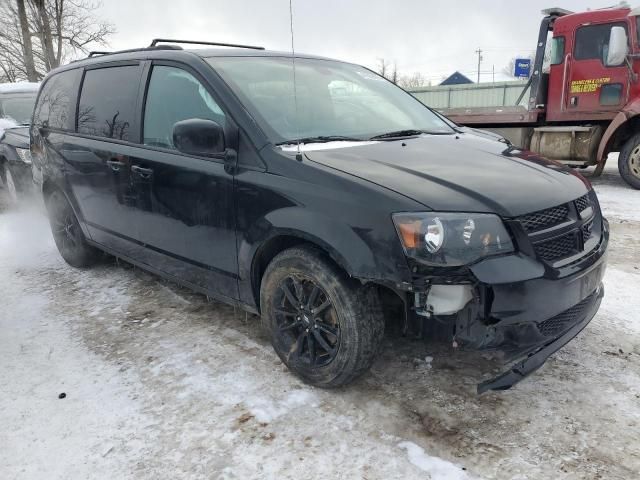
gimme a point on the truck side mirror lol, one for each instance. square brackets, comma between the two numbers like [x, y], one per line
[618, 47]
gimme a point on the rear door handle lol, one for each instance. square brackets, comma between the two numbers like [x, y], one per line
[115, 165]
[143, 172]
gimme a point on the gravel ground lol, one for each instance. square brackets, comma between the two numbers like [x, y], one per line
[161, 383]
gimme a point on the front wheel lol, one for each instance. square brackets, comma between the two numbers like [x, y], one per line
[324, 326]
[629, 161]
[67, 233]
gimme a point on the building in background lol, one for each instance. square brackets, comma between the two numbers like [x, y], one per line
[456, 78]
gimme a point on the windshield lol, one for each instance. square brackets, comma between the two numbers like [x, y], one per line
[17, 107]
[334, 99]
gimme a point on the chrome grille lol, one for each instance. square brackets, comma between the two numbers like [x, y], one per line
[545, 218]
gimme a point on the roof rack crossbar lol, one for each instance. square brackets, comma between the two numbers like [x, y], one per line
[155, 41]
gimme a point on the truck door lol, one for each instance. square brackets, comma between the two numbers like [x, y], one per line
[589, 89]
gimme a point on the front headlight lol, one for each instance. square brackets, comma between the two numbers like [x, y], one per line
[451, 239]
[24, 154]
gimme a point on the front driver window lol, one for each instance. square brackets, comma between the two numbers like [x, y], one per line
[175, 95]
[592, 41]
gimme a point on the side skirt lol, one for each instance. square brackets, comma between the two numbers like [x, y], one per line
[190, 286]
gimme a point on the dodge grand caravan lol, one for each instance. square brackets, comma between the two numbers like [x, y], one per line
[319, 205]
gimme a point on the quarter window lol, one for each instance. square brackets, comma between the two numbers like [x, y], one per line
[175, 95]
[108, 102]
[592, 41]
[57, 101]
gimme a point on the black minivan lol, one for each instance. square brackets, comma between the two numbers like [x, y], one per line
[321, 196]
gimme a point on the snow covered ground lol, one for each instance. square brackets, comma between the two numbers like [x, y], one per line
[160, 383]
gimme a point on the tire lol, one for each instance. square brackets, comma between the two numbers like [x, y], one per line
[67, 234]
[333, 335]
[629, 161]
[10, 185]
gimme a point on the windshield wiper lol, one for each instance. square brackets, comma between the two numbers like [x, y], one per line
[398, 134]
[321, 139]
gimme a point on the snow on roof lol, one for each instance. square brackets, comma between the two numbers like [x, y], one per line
[19, 87]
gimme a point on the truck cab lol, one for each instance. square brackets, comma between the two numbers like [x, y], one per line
[584, 93]
[586, 81]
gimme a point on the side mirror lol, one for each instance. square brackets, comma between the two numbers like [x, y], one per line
[197, 136]
[618, 47]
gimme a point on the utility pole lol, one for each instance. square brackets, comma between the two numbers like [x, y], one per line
[479, 52]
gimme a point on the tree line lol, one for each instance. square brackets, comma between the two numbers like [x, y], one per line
[39, 35]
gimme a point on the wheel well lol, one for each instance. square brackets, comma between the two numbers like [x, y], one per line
[624, 133]
[266, 253]
[392, 303]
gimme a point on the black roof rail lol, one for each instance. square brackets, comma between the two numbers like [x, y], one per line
[143, 49]
[93, 53]
[155, 42]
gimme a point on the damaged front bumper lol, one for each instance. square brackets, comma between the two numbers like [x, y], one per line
[537, 355]
[521, 308]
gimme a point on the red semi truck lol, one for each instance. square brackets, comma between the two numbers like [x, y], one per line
[584, 101]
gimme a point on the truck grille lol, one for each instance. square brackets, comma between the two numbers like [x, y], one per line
[565, 230]
[563, 321]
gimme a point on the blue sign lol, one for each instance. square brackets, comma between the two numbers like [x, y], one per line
[522, 68]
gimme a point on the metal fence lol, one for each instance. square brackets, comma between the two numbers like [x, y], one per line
[472, 95]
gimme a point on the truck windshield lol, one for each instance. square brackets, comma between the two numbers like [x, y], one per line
[334, 99]
[17, 107]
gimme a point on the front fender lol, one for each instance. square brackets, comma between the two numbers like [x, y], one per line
[352, 248]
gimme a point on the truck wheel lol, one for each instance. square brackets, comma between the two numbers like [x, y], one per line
[629, 161]
[67, 233]
[325, 327]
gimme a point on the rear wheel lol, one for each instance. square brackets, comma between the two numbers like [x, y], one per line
[9, 184]
[67, 233]
[325, 327]
[629, 161]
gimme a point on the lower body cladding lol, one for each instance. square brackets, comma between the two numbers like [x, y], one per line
[504, 305]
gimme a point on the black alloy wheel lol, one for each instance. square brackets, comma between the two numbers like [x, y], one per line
[325, 326]
[67, 233]
[307, 321]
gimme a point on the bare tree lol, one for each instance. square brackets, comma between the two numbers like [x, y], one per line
[415, 80]
[39, 35]
[387, 70]
[27, 46]
[383, 66]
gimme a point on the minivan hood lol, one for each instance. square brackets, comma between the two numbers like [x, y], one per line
[462, 172]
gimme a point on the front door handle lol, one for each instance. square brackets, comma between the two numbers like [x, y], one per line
[142, 172]
[115, 165]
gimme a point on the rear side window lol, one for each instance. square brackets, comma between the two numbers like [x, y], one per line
[592, 41]
[57, 101]
[175, 95]
[108, 102]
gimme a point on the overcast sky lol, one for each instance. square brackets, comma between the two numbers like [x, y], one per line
[434, 38]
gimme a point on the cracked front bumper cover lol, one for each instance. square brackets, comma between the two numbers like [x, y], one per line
[536, 358]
